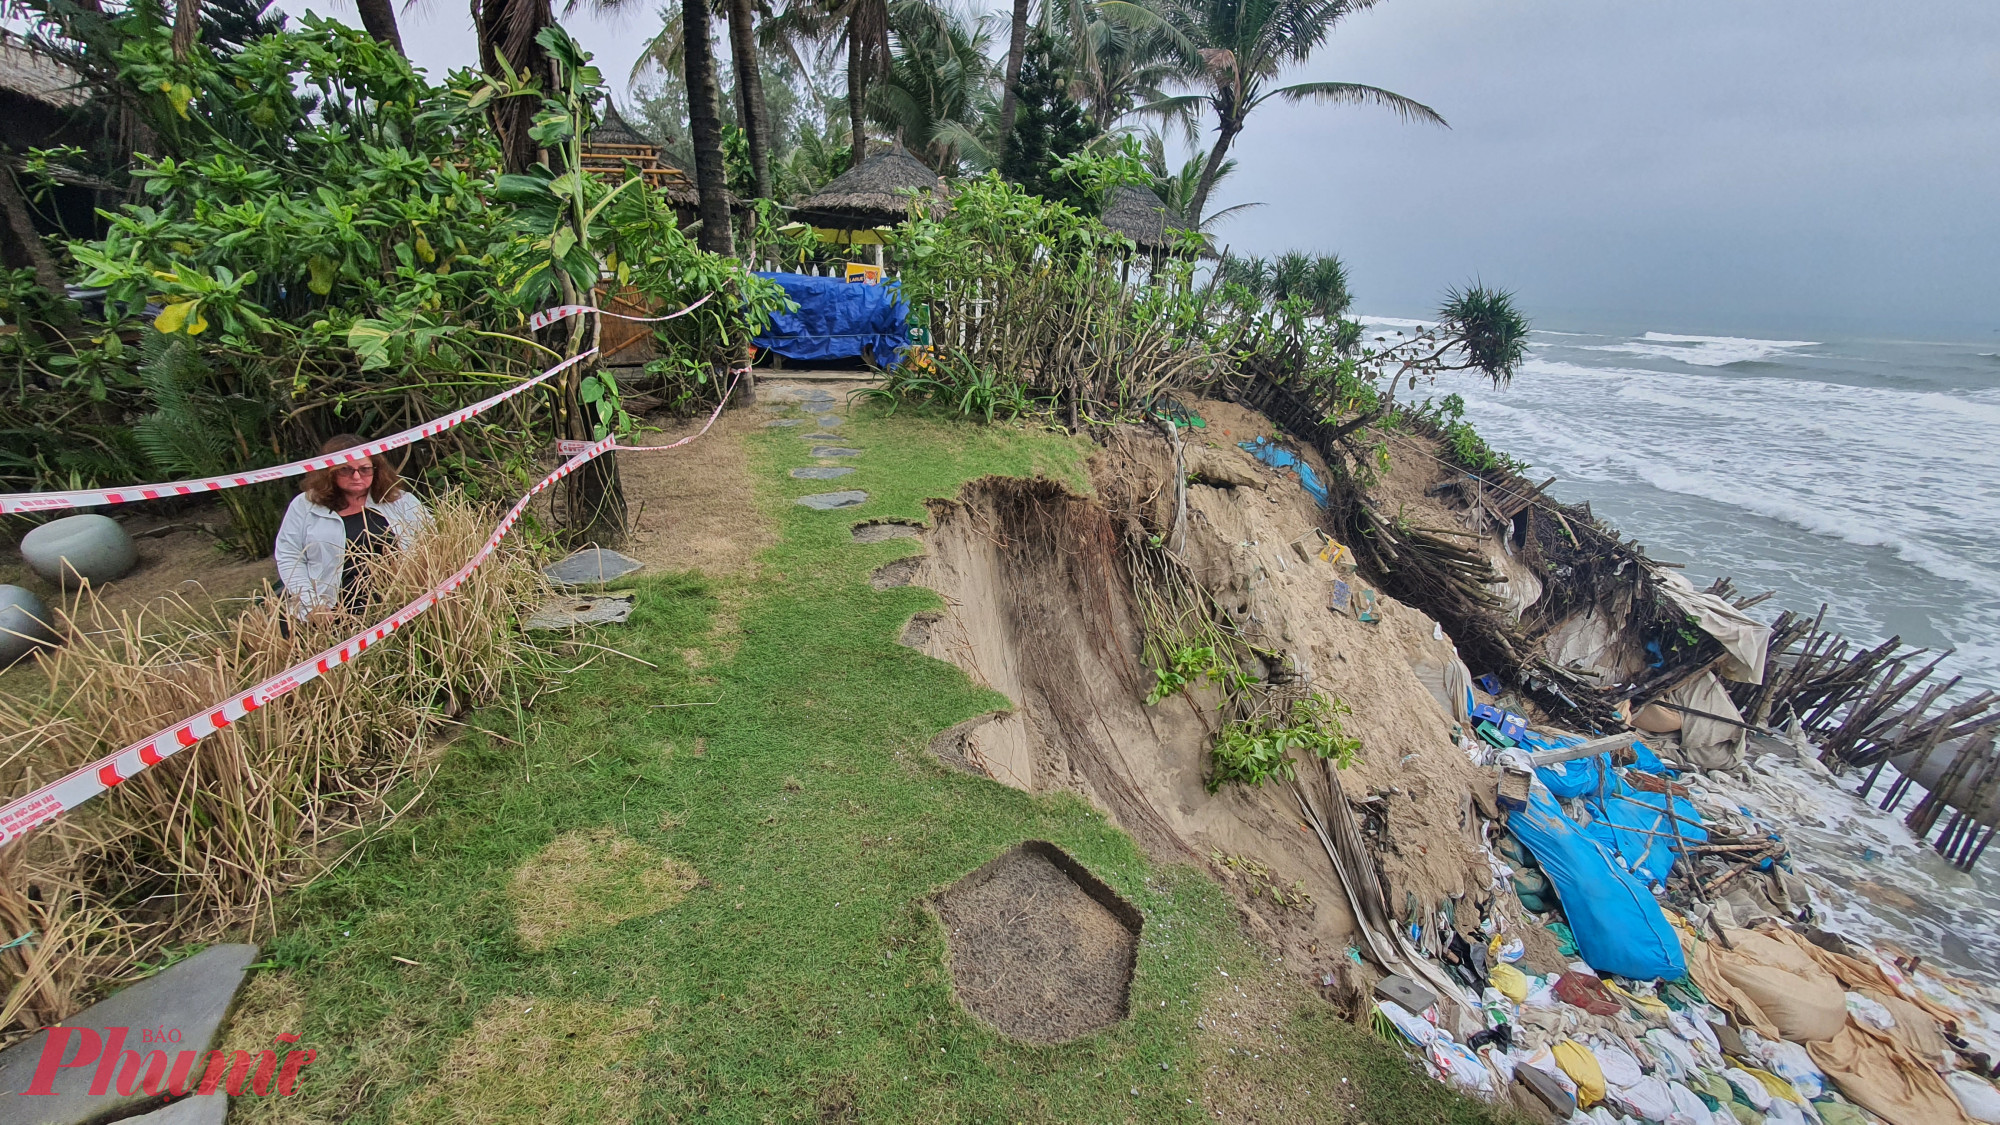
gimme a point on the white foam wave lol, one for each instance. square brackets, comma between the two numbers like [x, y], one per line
[1703, 351]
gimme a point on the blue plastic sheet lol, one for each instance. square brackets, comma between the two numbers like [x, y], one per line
[1630, 823]
[1278, 457]
[1638, 826]
[1619, 928]
[837, 319]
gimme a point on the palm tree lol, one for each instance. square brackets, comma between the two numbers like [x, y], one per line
[1115, 66]
[711, 178]
[936, 96]
[1176, 187]
[508, 51]
[1231, 50]
[1010, 80]
[751, 111]
[378, 19]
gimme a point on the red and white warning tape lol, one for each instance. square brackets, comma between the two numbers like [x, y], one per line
[547, 317]
[20, 816]
[15, 502]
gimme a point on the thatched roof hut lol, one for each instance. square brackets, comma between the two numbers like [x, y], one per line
[1139, 215]
[870, 195]
[613, 144]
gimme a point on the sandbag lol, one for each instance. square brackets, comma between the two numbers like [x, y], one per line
[1510, 981]
[1581, 1066]
[1655, 719]
[1803, 1009]
[1793, 997]
[1978, 1096]
[1884, 1077]
[1618, 925]
[1914, 1028]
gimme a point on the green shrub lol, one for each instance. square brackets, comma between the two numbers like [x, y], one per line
[1255, 749]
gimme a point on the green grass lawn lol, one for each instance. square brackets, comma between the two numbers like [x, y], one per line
[725, 900]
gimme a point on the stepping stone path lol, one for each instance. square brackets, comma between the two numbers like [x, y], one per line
[828, 501]
[592, 566]
[787, 422]
[822, 472]
[192, 996]
[833, 451]
[581, 609]
[821, 437]
[830, 421]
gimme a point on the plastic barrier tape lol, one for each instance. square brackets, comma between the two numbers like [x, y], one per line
[19, 817]
[547, 317]
[16, 502]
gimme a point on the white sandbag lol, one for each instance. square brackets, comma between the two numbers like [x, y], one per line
[1753, 1089]
[1979, 1097]
[1649, 1096]
[1617, 1063]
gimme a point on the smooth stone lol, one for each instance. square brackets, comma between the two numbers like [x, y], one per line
[90, 545]
[833, 451]
[819, 437]
[580, 609]
[24, 624]
[822, 472]
[882, 532]
[787, 422]
[592, 566]
[191, 997]
[830, 421]
[827, 501]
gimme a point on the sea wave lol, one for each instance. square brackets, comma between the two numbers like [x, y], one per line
[1704, 351]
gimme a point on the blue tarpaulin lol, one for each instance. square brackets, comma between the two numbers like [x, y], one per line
[1631, 823]
[1278, 457]
[1619, 928]
[836, 319]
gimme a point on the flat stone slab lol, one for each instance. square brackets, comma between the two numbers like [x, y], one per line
[833, 451]
[828, 501]
[592, 566]
[830, 421]
[580, 609]
[822, 472]
[819, 437]
[191, 998]
[786, 422]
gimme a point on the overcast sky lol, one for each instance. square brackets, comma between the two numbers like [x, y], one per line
[1768, 167]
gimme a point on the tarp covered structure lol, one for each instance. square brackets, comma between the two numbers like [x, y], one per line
[836, 319]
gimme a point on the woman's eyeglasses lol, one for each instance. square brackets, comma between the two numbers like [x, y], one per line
[355, 471]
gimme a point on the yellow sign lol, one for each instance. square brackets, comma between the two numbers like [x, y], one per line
[864, 273]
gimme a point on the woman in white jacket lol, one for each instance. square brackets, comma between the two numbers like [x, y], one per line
[340, 519]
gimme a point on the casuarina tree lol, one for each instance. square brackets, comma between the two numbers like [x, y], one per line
[1048, 126]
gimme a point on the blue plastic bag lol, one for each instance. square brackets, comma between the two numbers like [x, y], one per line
[1278, 457]
[1619, 928]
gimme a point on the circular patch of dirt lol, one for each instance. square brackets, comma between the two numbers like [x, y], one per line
[1040, 948]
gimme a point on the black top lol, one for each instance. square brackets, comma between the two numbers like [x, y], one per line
[367, 535]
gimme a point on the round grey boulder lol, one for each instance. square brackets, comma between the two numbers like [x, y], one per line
[24, 624]
[90, 546]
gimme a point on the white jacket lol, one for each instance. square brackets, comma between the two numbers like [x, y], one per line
[312, 545]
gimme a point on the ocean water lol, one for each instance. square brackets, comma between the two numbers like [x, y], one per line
[1860, 473]
[1864, 474]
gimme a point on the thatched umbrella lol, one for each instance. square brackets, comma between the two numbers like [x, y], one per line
[868, 196]
[1139, 215]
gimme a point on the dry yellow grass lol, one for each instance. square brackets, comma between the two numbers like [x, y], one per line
[537, 1062]
[588, 881]
[204, 842]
